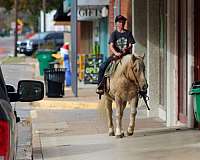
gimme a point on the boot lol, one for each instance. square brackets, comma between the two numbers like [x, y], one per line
[100, 88]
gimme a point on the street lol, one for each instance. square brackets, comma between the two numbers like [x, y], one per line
[6, 46]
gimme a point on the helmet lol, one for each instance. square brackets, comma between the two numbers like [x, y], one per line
[120, 18]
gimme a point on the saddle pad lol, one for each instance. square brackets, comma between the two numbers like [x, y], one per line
[111, 68]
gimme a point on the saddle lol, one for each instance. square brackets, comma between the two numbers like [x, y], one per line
[104, 86]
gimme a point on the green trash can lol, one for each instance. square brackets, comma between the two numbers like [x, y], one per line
[195, 92]
[44, 58]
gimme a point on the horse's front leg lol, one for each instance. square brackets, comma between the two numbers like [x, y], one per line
[109, 111]
[133, 107]
[120, 105]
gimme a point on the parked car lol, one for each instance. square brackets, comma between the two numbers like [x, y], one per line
[40, 40]
[27, 91]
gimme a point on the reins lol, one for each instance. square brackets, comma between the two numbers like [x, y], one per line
[142, 94]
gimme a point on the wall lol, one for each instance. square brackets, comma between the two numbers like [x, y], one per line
[126, 10]
[172, 77]
[139, 25]
[85, 37]
[111, 15]
[190, 68]
[153, 51]
[50, 24]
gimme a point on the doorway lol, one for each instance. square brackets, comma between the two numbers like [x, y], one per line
[182, 61]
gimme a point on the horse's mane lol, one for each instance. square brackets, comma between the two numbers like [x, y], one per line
[123, 64]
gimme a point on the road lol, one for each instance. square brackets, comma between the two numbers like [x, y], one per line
[6, 46]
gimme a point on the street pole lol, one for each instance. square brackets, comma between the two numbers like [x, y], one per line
[44, 12]
[16, 28]
[74, 46]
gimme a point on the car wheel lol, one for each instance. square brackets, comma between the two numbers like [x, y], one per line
[28, 53]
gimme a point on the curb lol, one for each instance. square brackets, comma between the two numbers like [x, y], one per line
[70, 104]
[56, 104]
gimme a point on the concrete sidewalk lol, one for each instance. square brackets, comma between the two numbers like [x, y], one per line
[152, 145]
[85, 138]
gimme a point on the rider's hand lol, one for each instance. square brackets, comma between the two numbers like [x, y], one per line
[125, 50]
[118, 54]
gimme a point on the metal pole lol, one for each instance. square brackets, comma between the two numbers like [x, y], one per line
[74, 46]
[16, 28]
[44, 12]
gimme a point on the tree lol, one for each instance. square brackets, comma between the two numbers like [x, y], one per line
[35, 5]
[31, 8]
[8, 4]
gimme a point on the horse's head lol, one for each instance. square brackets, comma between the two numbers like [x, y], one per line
[137, 72]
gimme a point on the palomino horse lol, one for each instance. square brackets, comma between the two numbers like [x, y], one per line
[124, 86]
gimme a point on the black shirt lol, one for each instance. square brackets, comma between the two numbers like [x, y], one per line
[121, 40]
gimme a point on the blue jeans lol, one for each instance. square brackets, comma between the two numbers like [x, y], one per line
[102, 69]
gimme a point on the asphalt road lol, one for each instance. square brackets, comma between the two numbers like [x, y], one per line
[6, 46]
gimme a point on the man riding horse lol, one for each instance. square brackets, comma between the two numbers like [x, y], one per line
[120, 44]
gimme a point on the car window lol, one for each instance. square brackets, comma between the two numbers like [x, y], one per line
[50, 36]
[41, 35]
[55, 36]
[59, 35]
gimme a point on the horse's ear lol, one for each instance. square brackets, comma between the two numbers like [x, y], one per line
[133, 57]
[142, 56]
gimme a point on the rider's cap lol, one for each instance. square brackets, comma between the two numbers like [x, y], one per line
[120, 18]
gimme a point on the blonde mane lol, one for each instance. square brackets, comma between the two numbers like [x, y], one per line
[123, 64]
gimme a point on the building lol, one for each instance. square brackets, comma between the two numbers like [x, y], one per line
[167, 32]
[164, 31]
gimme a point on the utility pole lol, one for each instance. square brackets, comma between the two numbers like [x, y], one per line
[16, 28]
[44, 12]
[74, 46]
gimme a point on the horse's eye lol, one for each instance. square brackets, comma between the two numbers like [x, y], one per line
[135, 69]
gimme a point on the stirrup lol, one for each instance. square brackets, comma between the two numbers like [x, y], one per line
[100, 91]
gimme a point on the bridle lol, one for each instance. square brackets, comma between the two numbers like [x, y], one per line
[141, 93]
[135, 81]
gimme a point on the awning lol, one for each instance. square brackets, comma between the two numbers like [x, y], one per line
[62, 18]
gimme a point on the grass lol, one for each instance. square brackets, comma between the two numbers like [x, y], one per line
[12, 60]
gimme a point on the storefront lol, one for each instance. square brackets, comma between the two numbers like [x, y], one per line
[93, 30]
[92, 37]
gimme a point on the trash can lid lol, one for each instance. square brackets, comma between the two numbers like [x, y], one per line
[194, 91]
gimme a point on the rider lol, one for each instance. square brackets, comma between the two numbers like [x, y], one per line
[120, 43]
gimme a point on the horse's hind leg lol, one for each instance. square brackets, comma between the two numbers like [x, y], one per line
[133, 106]
[109, 111]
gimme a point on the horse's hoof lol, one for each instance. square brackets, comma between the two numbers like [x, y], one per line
[111, 134]
[129, 133]
[120, 136]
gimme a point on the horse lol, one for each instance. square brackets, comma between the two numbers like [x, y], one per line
[123, 87]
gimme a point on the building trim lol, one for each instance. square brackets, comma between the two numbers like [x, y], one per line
[190, 66]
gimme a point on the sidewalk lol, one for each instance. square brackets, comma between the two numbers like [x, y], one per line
[83, 135]
[172, 145]
[151, 144]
